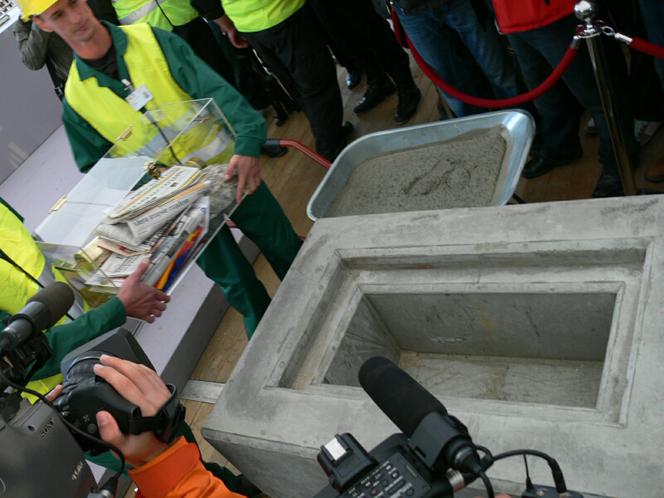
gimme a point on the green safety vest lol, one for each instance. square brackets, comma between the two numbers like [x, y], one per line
[17, 288]
[203, 141]
[172, 12]
[256, 15]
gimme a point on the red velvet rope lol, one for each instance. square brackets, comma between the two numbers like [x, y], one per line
[647, 47]
[551, 80]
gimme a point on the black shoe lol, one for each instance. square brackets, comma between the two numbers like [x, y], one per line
[608, 185]
[375, 95]
[353, 78]
[541, 164]
[407, 106]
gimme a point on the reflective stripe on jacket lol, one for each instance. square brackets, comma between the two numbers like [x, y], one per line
[515, 16]
[162, 14]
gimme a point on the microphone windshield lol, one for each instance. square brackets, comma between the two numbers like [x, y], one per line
[397, 394]
[57, 298]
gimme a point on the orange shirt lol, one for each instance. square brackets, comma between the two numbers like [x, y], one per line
[178, 473]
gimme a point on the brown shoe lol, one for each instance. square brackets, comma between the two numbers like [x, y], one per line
[655, 172]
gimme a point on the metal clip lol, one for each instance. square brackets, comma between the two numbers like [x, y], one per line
[153, 169]
[58, 204]
[608, 31]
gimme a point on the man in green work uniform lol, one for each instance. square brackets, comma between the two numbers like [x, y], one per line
[95, 113]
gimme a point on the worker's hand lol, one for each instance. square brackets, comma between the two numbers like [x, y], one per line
[248, 171]
[141, 300]
[141, 386]
[228, 29]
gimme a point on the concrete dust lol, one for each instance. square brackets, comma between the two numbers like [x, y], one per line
[461, 172]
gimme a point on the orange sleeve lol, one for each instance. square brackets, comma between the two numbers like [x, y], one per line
[178, 473]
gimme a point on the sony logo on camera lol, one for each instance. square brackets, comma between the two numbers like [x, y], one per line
[47, 427]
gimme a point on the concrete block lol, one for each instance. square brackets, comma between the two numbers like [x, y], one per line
[539, 326]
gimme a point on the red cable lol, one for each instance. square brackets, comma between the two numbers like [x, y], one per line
[286, 142]
[545, 86]
[647, 47]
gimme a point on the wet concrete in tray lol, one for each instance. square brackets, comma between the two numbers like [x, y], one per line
[457, 173]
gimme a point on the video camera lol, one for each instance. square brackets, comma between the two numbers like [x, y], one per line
[50, 440]
[433, 457]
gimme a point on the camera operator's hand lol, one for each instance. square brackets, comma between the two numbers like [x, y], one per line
[143, 387]
[141, 300]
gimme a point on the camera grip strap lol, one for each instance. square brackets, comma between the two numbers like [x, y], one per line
[165, 423]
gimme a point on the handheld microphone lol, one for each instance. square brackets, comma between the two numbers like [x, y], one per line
[42, 311]
[438, 438]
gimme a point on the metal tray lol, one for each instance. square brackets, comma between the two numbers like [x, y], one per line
[519, 129]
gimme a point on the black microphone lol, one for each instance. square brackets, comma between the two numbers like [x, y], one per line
[397, 394]
[42, 311]
[438, 438]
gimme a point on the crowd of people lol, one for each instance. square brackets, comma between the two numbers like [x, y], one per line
[249, 54]
[485, 48]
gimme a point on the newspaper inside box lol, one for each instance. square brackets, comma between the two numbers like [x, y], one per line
[174, 217]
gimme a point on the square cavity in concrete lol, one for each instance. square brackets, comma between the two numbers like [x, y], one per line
[528, 347]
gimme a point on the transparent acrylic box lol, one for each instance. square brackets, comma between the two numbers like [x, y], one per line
[192, 133]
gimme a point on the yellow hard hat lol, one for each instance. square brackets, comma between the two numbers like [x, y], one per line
[31, 8]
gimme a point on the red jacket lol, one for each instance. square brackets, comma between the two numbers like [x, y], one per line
[514, 16]
[178, 473]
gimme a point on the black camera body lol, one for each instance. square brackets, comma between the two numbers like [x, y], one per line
[434, 457]
[390, 468]
[84, 394]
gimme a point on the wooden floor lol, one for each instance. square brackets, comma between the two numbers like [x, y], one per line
[293, 179]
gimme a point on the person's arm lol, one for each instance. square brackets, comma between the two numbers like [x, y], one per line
[32, 44]
[87, 145]
[159, 471]
[66, 337]
[178, 472]
[200, 81]
[135, 298]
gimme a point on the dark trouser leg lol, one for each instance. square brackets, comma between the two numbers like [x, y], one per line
[297, 47]
[442, 49]
[558, 109]
[198, 34]
[478, 32]
[261, 219]
[223, 262]
[552, 42]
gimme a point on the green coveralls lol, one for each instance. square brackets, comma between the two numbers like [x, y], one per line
[259, 216]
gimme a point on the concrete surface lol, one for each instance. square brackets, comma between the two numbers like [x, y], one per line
[461, 172]
[588, 275]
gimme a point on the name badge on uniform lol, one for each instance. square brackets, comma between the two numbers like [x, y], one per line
[139, 98]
